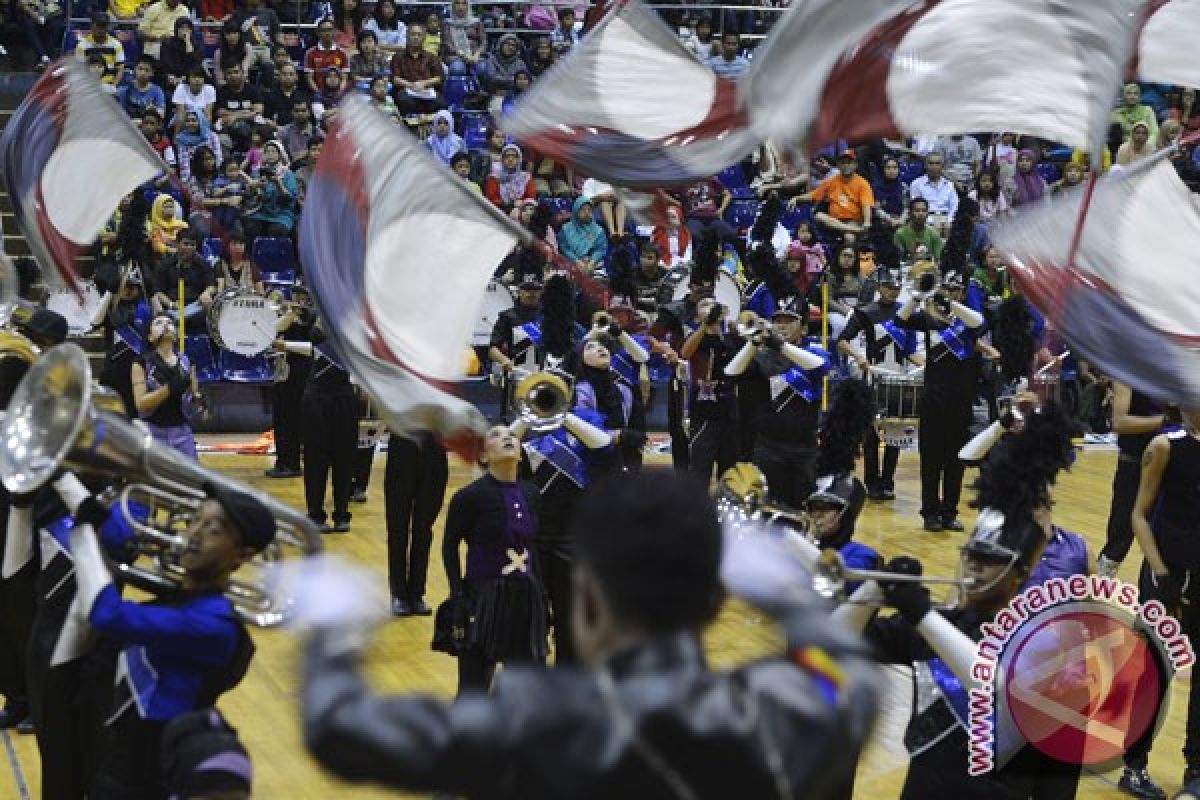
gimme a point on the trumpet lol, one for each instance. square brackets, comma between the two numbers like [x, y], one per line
[742, 499]
[602, 320]
[543, 399]
[926, 278]
[750, 325]
[57, 420]
[830, 576]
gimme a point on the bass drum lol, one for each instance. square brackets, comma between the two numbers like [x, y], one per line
[497, 299]
[242, 322]
[77, 310]
[726, 293]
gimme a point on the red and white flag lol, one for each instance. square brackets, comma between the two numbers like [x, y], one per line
[1167, 42]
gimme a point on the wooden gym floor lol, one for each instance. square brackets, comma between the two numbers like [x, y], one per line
[264, 708]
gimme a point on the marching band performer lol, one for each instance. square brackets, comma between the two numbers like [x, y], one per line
[598, 388]
[294, 326]
[124, 314]
[497, 517]
[951, 374]
[164, 387]
[517, 333]
[785, 448]
[414, 486]
[180, 654]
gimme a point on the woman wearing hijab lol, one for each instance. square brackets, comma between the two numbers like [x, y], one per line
[1029, 184]
[1138, 147]
[280, 196]
[599, 389]
[582, 241]
[165, 224]
[504, 63]
[194, 134]
[512, 183]
[444, 143]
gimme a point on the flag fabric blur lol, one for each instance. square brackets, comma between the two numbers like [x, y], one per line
[886, 68]
[630, 105]
[398, 253]
[69, 154]
[1165, 45]
[1108, 264]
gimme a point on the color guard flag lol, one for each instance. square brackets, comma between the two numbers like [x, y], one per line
[630, 105]
[399, 253]
[69, 155]
[1109, 264]
[1167, 40]
[888, 68]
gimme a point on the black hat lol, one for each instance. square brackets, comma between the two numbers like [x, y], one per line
[201, 754]
[100, 19]
[531, 281]
[1006, 539]
[792, 306]
[247, 513]
[47, 327]
[845, 492]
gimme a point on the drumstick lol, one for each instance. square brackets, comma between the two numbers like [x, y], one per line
[1053, 362]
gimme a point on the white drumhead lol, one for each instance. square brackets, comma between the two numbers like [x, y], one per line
[78, 311]
[728, 294]
[245, 323]
[496, 299]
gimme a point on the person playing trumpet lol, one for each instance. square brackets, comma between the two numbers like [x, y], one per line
[786, 430]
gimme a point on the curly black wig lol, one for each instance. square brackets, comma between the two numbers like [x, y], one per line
[706, 257]
[540, 222]
[133, 243]
[558, 316]
[883, 243]
[1016, 476]
[851, 414]
[622, 273]
[1012, 334]
[956, 255]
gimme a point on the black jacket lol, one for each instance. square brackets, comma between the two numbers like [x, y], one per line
[652, 719]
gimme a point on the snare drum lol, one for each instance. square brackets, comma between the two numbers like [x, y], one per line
[726, 292]
[78, 310]
[497, 299]
[898, 404]
[242, 322]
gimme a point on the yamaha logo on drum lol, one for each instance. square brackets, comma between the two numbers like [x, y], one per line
[250, 302]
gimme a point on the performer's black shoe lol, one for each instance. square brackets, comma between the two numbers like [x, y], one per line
[359, 496]
[282, 472]
[25, 727]
[888, 494]
[400, 608]
[13, 715]
[933, 524]
[951, 524]
[1138, 783]
[420, 608]
[341, 527]
[875, 493]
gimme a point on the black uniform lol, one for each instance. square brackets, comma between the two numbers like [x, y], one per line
[414, 486]
[671, 325]
[286, 397]
[522, 349]
[951, 375]
[124, 337]
[329, 410]
[712, 406]
[873, 321]
[1130, 448]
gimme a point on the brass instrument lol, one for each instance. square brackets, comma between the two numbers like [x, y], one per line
[750, 325]
[13, 311]
[58, 420]
[602, 320]
[926, 278]
[543, 399]
[742, 498]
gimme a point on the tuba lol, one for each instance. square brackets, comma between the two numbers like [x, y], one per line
[543, 400]
[58, 420]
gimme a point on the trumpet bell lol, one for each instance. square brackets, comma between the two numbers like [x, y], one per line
[742, 496]
[543, 400]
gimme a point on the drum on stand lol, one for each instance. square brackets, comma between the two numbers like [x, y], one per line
[79, 310]
[242, 322]
[497, 299]
[726, 292]
[898, 406]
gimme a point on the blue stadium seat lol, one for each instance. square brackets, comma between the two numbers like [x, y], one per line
[559, 205]
[273, 255]
[1059, 154]
[474, 129]
[734, 179]
[457, 88]
[199, 351]
[911, 170]
[240, 369]
[285, 277]
[790, 219]
[1050, 172]
[210, 250]
[741, 213]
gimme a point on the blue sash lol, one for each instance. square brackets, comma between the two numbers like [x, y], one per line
[905, 340]
[563, 452]
[956, 340]
[533, 330]
[952, 689]
[797, 379]
[129, 337]
[660, 370]
[60, 529]
[625, 366]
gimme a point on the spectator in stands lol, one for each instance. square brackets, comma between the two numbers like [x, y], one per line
[151, 126]
[165, 225]
[126, 9]
[673, 240]
[261, 30]
[281, 102]
[199, 285]
[604, 199]
[849, 196]
[503, 64]
[938, 192]
[136, 97]
[199, 188]
[581, 241]
[194, 95]
[42, 22]
[235, 269]
[704, 45]
[542, 58]
[239, 109]
[179, 55]
[279, 192]
[845, 286]
[1072, 177]
[228, 190]
[1137, 147]
[195, 134]
[464, 41]
[916, 233]
[215, 10]
[381, 98]
[496, 142]
[1168, 134]
[303, 167]
[96, 68]
[158, 24]
[325, 101]
[1132, 110]
[417, 75]
[891, 194]
[461, 164]
[513, 183]
[388, 28]
[730, 63]
[1030, 185]
[564, 37]
[704, 204]
[963, 158]
[323, 55]
[1185, 109]
[280, 57]
[232, 50]
[347, 22]
[993, 203]
[551, 178]
[433, 34]
[815, 260]
[1001, 158]
[99, 40]
[369, 62]
[444, 143]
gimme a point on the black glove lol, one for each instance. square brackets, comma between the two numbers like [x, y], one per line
[1166, 590]
[92, 513]
[179, 384]
[714, 315]
[614, 331]
[632, 439]
[23, 500]
[910, 598]
[773, 341]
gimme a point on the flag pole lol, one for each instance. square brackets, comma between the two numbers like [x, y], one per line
[182, 315]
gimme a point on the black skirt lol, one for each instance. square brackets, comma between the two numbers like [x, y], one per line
[508, 619]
